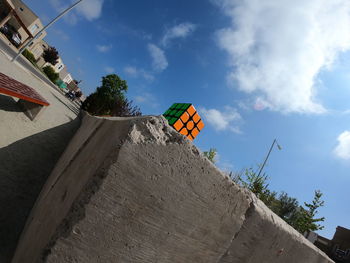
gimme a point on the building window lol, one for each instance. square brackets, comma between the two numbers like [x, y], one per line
[60, 67]
[21, 9]
[33, 28]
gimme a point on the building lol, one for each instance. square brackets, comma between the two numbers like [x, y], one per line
[21, 19]
[65, 76]
[338, 248]
[38, 48]
[73, 86]
[59, 65]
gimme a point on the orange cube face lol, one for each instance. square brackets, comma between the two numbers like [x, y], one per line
[184, 118]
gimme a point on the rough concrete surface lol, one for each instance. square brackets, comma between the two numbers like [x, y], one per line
[265, 237]
[134, 190]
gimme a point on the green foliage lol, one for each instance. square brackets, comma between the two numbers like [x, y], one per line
[287, 208]
[306, 220]
[123, 107]
[211, 155]
[301, 218]
[29, 55]
[51, 74]
[258, 185]
[50, 55]
[109, 99]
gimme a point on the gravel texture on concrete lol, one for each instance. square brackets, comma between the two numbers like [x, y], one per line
[28, 151]
[135, 190]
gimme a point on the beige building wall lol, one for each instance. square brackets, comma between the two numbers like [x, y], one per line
[59, 66]
[68, 79]
[29, 19]
[41, 62]
[38, 47]
[24, 12]
[34, 28]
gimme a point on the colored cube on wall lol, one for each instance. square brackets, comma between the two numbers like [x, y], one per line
[184, 118]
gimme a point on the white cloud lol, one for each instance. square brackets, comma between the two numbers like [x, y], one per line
[58, 5]
[109, 70]
[179, 31]
[159, 61]
[132, 71]
[277, 48]
[261, 104]
[342, 150]
[89, 9]
[104, 48]
[135, 73]
[222, 120]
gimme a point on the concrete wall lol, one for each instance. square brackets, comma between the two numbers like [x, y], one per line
[134, 190]
[25, 164]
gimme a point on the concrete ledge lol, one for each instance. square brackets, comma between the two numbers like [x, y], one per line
[134, 190]
[265, 237]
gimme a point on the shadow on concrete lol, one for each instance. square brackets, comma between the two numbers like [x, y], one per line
[8, 103]
[24, 167]
[68, 105]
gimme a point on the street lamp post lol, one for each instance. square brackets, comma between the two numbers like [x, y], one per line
[268, 154]
[48, 25]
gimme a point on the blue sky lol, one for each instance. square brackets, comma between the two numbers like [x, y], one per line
[256, 70]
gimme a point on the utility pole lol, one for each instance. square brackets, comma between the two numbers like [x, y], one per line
[268, 154]
[48, 25]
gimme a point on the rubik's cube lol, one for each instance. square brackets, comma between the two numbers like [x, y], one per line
[184, 118]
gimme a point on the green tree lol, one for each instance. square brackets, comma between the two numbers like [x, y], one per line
[256, 183]
[211, 154]
[51, 74]
[29, 55]
[306, 221]
[50, 55]
[110, 99]
[123, 108]
[287, 208]
[302, 219]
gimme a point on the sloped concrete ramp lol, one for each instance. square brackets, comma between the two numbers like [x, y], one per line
[134, 190]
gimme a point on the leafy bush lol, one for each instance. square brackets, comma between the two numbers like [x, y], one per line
[29, 55]
[302, 218]
[50, 55]
[211, 155]
[50, 73]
